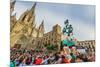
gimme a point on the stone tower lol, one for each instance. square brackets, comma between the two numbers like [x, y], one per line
[12, 4]
[41, 30]
[57, 35]
[12, 17]
[57, 29]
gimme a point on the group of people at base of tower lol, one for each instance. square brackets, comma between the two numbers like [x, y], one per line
[28, 57]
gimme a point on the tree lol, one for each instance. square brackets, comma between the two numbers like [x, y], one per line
[51, 47]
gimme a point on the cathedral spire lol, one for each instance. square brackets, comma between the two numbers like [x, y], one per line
[41, 25]
[33, 9]
[32, 29]
[41, 29]
[12, 4]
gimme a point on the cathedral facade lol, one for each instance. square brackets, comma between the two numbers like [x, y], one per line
[25, 34]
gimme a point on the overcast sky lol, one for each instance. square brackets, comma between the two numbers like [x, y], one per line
[82, 17]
